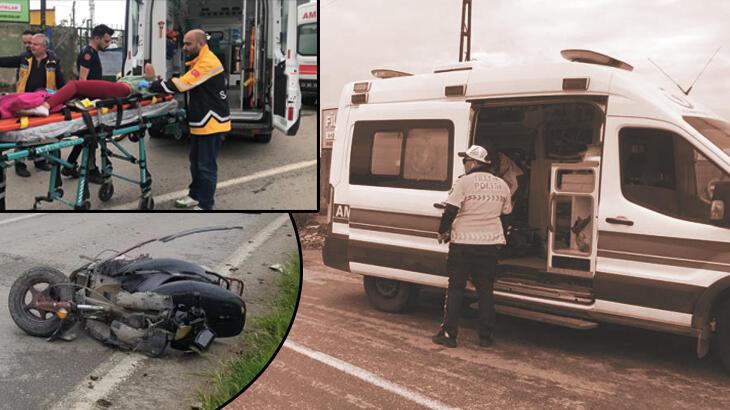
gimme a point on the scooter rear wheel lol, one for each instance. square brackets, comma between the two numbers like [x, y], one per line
[38, 284]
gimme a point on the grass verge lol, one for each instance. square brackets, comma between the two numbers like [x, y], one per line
[262, 337]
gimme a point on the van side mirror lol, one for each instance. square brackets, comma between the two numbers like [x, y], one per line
[719, 214]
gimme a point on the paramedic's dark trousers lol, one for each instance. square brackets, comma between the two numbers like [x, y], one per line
[203, 168]
[479, 262]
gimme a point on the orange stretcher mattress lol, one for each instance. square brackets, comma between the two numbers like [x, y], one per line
[12, 124]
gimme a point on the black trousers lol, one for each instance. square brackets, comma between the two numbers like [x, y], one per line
[204, 168]
[479, 262]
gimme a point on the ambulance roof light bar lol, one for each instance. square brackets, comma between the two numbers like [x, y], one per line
[591, 57]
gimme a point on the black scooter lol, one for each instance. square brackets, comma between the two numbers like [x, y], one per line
[141, 304]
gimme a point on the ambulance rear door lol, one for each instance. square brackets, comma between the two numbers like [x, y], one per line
[402, 161]
[286, 98]
[134, 38]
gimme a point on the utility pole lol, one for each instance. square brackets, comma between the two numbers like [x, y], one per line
[73, 15]
[465, 55]
[43, 14]
[91, 12]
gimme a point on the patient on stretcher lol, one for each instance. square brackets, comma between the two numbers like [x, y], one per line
[93, 89]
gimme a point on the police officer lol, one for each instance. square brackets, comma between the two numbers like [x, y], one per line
[208, 116]
[88, 65]
[38, 68]
[471, 222]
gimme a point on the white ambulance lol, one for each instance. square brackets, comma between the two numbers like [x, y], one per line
[620, 212]
[307, 49]
[256, 40]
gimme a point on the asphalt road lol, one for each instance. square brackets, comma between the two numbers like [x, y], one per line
[341, 353]
[280, 175]
[38, 374]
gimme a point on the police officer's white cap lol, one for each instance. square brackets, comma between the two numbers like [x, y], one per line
[477, 153]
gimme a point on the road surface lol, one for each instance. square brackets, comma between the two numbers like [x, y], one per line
[341, 353]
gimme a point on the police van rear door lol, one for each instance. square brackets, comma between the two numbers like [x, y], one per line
[286, 97]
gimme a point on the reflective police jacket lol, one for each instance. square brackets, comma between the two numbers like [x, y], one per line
[208, 111]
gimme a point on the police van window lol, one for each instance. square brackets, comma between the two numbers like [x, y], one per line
[426, 155]
[663, 172]
[385, 159]
[402, 154]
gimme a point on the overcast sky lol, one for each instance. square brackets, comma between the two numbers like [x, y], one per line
[414, 35]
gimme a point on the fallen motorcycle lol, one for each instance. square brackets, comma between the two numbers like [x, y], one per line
[139, 304]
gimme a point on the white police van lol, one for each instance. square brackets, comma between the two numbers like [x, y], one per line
[619, 214]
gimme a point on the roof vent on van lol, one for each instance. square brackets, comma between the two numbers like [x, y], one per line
[591, 57]
[385, 73]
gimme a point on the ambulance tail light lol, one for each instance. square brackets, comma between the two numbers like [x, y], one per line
[330, 201]
[290, 114]
[361, 87]
[359, 98]
[575, 84]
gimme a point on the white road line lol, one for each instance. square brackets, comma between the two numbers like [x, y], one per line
[19, 218]
[247, 248]
[225, 184]
[365, 375]
[121, 365]
[112, 372]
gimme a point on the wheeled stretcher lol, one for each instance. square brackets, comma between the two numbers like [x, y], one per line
[104, 126]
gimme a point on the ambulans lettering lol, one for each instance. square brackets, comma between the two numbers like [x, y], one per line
[342, 213]
[309, 15]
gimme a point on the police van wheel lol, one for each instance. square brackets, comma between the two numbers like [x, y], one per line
[390, 295]
[722, 334]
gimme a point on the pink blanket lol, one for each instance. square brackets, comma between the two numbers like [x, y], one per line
[11, 104]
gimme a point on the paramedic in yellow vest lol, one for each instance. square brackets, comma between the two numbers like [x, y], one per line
[37, 69]
[471, 222]
[208, 116]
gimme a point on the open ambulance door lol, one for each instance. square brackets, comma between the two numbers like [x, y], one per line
[134, 41]
[286, 97]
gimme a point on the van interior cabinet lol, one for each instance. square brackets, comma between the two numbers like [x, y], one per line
[572, 211]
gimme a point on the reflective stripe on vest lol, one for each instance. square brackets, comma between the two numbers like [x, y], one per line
[24, 73]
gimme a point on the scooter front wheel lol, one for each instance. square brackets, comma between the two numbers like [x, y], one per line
[34, 287]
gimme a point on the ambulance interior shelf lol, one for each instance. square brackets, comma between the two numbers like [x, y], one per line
[572, 201]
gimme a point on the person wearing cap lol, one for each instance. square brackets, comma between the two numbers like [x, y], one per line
[471, 223]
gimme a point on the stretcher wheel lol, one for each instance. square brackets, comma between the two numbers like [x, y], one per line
[147, 203]
[106, 191]
[85, 206]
